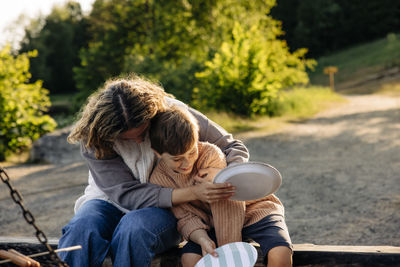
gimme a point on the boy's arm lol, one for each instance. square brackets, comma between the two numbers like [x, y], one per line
[189, 221]
[228, 215]
[201, 237]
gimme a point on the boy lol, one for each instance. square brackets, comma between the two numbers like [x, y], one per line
[174, 138]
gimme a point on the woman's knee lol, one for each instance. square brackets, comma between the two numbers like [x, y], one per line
[154, 220]
[149, 227]
[84, 225]
[92, 218]
[280, 257]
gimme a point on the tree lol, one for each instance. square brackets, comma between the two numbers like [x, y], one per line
[161, 39]
[248, 71]
[58, 39]
[171, 40]
[22, 104]
[320, 22]
[324, 26]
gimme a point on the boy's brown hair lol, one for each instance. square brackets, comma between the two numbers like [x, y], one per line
[173, 131]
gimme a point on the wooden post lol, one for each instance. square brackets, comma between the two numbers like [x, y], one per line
[331, 70]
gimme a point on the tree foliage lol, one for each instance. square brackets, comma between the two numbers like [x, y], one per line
[325, 26]
[58, 38]
[161, 39]
[248, 71]
[21, 104]
[170, 41]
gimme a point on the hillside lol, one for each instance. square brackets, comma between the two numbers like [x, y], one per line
[363, 69]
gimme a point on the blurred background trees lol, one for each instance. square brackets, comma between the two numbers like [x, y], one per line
[175, 42]
[58, 39]
[325, 26]
[22, 104]
[237, 56]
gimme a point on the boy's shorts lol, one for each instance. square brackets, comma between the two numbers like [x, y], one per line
[269, 232]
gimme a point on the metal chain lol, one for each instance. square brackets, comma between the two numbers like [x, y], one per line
[17, 198]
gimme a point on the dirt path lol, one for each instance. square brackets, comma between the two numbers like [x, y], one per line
[341, 174]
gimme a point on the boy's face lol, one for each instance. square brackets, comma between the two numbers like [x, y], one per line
[184, 163]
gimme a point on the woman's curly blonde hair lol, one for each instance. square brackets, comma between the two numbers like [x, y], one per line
[120, 105]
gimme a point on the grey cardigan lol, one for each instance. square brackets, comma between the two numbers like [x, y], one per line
[115, 179]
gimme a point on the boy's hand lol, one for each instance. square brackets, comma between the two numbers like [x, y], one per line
[208, 246]
[200, 236]
[206, 175]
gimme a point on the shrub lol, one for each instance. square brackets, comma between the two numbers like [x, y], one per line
[248, 71]
[21, 104]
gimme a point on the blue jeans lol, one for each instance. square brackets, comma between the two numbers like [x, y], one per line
[132, 239]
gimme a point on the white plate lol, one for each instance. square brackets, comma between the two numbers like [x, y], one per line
[237, 254]
[253, 180]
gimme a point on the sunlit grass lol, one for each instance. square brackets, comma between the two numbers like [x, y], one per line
[295, 104]
[305, 102]
[360, 60]
[391, 88]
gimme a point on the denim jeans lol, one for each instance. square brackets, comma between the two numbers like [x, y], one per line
[132, 239]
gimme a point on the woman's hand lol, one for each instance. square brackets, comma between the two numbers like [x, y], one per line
[209, 192]
[205, 192]
[206, 175]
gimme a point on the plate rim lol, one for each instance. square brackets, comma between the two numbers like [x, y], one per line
[262, 164]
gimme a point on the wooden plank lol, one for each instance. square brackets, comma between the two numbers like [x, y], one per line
[347, 249]
[341, 256]
[305, 255]
[28, 240]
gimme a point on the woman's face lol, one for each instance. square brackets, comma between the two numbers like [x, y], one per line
[184, 163]
[136, 134]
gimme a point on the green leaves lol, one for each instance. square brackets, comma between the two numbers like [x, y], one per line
[22, 104]
[220, 54]
[248, 71]
[58, 39]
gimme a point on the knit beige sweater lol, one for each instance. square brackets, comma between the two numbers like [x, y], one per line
[228, 217]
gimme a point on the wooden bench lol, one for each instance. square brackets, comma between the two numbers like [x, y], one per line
[304, 254]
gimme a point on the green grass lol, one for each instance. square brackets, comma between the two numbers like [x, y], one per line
[295, 104]
[361, 60]
[301, 103]
[390, 88]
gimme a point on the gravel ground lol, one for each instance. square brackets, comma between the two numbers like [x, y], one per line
[341, 178]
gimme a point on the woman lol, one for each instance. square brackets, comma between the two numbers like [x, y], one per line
[120, 212]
